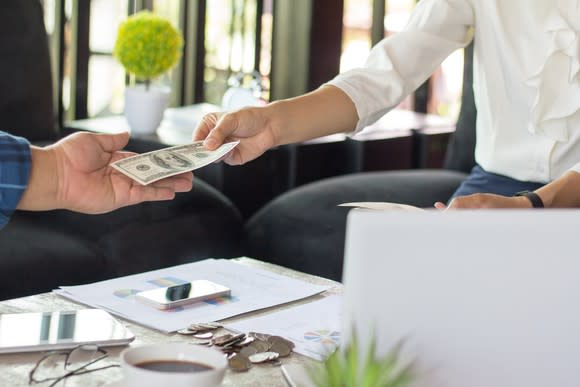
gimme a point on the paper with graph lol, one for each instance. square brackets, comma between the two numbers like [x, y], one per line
[251, 289]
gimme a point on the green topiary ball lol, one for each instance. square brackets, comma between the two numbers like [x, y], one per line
[147, 45]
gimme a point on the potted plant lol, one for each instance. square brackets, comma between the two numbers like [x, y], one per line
[348, 368]
[147, 46]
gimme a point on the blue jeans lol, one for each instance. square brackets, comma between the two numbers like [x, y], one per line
[480, 181]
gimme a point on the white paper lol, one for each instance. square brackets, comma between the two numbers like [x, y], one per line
[313, 327]
[251, 289]
[382, 206]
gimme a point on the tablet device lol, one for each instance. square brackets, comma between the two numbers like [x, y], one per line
[30, 332]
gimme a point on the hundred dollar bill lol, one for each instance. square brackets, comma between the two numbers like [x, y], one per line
[149, 167]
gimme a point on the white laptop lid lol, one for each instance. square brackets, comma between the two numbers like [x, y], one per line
[480, 298]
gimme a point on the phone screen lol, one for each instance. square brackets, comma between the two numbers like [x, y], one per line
[179, 294]
[20, 332]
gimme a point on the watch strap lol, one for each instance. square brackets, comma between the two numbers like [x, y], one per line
[533, 197]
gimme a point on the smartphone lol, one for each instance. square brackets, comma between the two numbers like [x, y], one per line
[45, 331]
[184, 294]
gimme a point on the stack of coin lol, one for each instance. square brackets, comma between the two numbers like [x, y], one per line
[202, 331]
[243, 350]
[259, 348]
[228, 340]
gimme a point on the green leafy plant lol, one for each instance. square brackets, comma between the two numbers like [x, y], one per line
[147, 46]
[346, 369]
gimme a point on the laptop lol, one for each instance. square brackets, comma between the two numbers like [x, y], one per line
[474, 298]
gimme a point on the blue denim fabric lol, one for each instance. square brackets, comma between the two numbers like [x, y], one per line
[480, 181]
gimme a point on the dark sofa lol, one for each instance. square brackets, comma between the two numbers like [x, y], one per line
[41, 250]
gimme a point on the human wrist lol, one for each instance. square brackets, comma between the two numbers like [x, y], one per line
[530, 198]
[562, 192]
[42, 190]
[277, 122]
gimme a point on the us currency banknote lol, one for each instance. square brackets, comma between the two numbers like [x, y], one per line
[149, 167]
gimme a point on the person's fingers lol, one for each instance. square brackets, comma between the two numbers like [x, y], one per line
[225, 126]
[440, 206]
[178, 183]
[208, 122]
[140, 193]
[112, 142]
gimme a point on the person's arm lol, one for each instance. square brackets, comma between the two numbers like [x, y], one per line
[560, 193]
[395, 67]
[75, 174]
[324, 111]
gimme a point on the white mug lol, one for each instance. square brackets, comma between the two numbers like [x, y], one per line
[136, 363]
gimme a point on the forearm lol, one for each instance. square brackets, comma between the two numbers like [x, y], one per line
[41, 193]
[327, 110]
[562, 192]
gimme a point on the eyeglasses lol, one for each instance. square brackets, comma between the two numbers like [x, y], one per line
[57, 366]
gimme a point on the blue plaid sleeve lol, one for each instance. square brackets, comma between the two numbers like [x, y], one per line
[14, 173]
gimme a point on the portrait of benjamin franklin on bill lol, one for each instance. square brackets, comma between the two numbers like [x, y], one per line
[170, 160]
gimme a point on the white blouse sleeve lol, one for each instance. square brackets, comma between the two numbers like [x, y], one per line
[399, 64]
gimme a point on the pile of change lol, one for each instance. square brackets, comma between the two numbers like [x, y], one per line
[243, 350]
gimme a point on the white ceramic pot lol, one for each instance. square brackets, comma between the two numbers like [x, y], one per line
[144, 108]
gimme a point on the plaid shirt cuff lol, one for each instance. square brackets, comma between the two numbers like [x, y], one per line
[15, 163]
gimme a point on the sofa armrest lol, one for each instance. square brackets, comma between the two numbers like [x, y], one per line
[304, 229]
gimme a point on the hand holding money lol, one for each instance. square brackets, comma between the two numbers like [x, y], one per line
[74, 174]
[149, 167]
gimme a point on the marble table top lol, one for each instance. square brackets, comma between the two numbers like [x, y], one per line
[14, 368]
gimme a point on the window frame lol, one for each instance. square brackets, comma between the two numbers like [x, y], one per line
[307, 31]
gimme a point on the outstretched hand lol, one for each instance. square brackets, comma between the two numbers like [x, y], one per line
[75, 174]
[250, 126]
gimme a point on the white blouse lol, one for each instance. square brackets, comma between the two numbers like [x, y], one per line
[526, 78]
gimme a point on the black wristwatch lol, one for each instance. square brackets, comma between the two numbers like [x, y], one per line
[533, 197]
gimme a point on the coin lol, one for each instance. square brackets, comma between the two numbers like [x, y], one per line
[248, 351]
[246, 341]
[263, 357]
[210, 325]
[186, 332]
[234, 340]
[281, 348]
[228, 339]
[239, 363]
[259, 336]
[278, 339]
[223, 339]
[260, 346]
[205, 335]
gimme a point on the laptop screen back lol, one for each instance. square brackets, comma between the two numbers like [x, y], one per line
[478, 298]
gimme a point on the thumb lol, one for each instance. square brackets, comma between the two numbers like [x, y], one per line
[225, 126]
[113, 142]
